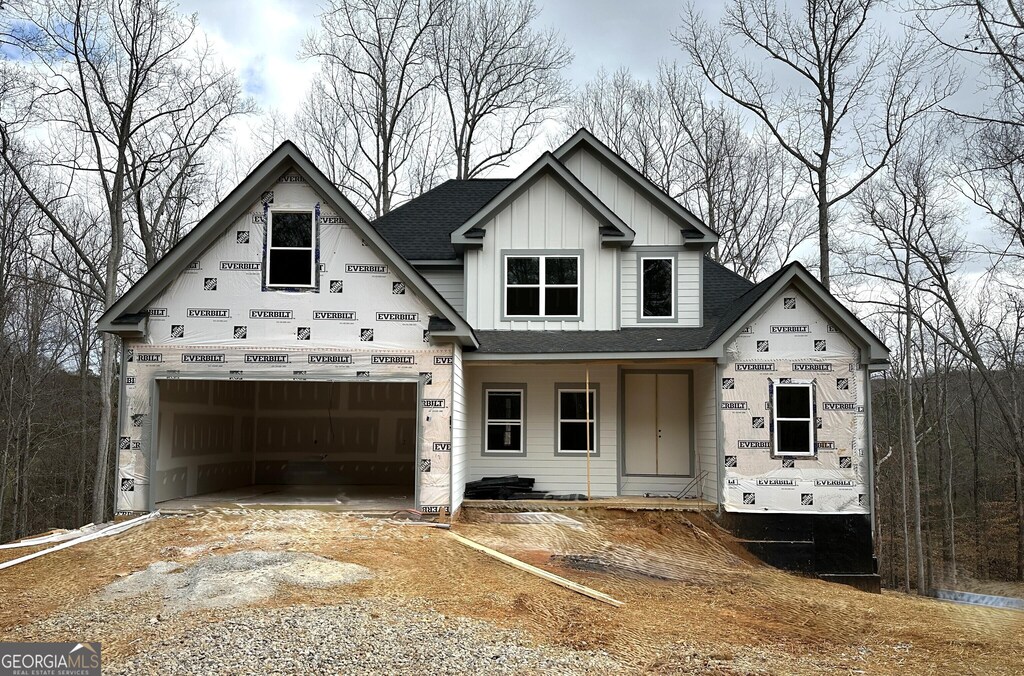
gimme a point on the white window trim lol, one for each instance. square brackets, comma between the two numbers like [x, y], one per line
[521, 421]
[559, 420]
[809, 386]
[541, 285]
[673, 290]
[311, 249]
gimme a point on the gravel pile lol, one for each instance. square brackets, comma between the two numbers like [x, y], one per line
[362, 637]
[231, 580]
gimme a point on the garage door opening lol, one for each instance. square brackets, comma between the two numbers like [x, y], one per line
[350, 445]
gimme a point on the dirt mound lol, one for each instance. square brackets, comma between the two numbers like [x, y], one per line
[231, 580]
[658, 545]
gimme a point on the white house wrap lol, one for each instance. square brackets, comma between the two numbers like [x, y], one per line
[775, 348]
[568, 326]
[217, 320]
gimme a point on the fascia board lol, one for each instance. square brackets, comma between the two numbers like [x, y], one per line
[706, 354]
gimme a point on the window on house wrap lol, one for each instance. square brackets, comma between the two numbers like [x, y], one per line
[574, 418]
[656, 287]
[542, 286]
[792, 418]
[291, 249]
[504, 413]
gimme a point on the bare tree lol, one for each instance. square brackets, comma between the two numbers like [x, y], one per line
[606, 106]
[370, 104]
[994, 40]
[499, 77]
[110, 82]
[699, 152]
[849, 96]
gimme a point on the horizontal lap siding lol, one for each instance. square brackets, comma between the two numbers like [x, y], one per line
[706, 420]
[553, 473]
[689, 263]
[688, 288]
[450, 284]
[459, 461]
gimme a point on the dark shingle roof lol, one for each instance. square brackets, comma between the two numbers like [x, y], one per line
[421, 229]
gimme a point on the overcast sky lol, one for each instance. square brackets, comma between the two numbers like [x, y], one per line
[261, 40]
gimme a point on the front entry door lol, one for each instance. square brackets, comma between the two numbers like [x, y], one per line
[657, 424]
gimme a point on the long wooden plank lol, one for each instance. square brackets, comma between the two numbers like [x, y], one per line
[539, 572]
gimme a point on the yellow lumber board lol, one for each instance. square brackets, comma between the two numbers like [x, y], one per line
[539, 572]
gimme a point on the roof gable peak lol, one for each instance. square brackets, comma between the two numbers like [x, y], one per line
[615, 231]
[287, 156]
[694, 229]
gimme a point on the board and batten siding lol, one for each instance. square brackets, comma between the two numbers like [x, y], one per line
[451, 284]
[545, 217]
[459, 451]
[652, 224]
[688, 286]
[553, 473]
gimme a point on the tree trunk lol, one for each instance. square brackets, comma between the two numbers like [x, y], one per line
[911, 436]
[83, 427]
[981, 563]
[824, 248]
[1020, 519]
[21, 512]
[945, 479]
[108, 352]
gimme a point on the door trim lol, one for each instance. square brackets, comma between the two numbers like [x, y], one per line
[623, 372]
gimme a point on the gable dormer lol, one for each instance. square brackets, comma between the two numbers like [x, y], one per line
[656, 218]
[660, 273]
[542, 254]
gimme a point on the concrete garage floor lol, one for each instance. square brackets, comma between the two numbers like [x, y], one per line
[343, 498]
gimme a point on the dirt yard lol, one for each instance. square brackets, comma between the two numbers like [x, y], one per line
[303, 591]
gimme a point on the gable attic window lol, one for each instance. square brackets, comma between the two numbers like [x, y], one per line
[792, 418]
[291, 249]
[542, 286]
[657, 279]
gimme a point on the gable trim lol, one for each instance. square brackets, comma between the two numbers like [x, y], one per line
[873, 351]
[613, 231]
[214, 224]
[694, 229]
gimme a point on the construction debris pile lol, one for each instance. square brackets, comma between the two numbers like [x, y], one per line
[512, 487]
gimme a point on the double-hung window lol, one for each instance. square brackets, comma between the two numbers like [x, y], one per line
[503, 427]
[577, 421]
[793, 418]
[291, 249]
[657, 284]
[542, 286]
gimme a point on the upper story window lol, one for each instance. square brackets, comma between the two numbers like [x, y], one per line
[542, 286]
[793, 418]
[291, 249]
[657, 287]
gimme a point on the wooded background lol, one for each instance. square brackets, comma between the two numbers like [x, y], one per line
[821, 130]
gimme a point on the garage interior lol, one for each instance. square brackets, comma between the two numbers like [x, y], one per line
[343, 444]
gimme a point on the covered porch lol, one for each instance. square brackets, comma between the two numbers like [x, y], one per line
[603, 429]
